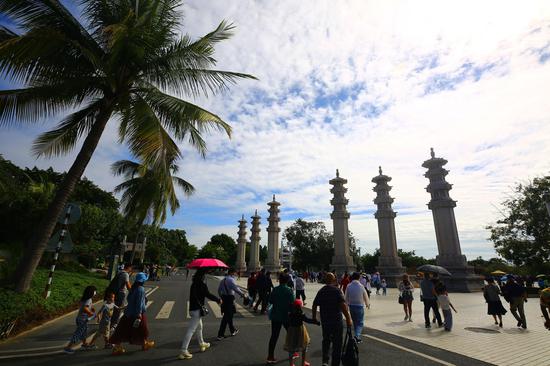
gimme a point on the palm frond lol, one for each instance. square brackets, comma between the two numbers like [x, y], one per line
[36, 103]
[185, 120]
[66, 135]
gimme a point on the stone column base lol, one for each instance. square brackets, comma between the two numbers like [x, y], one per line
[392, 275]
[339, 265]
[241, 268]
[463, 279]
[273, 268]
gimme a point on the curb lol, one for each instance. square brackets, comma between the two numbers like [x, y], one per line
[24, 353]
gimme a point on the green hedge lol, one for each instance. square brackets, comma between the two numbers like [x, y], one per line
[31, 308]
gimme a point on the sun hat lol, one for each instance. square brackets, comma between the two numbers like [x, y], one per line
[141, 277]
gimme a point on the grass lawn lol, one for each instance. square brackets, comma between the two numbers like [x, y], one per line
[31, 309]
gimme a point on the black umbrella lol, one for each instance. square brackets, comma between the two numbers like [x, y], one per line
[433, 269]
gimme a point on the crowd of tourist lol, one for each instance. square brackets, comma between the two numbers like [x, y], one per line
[122, 317]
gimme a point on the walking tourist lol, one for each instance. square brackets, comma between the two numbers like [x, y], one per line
[332, 303]
[384, 287]
[446, 306]
[344, 282]
[516, 295]
[262, 286]
[406, 298]
[280, 300]
[227, 289]
[545, 306]
[300, 289]
[251, 287]
[120, 285]
[297, 336]
[132, 327]
[105, 315]
[197, 294]
[492, 293]
[85, 312]
[357, 299]
[429, 298]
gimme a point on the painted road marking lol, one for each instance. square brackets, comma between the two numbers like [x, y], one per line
[215, 308]
[165, 310]
[148, 304]
[187, 311]
[410, 350]
[245, 313]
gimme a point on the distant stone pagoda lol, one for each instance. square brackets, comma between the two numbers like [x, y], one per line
[448, 244]
[273, 262]
[342, 260]
[254, 261]
[240, 266]
[389, 263]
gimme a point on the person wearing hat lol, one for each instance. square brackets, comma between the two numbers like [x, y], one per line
[132, 327]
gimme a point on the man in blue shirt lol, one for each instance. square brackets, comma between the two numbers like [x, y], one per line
[429, 298]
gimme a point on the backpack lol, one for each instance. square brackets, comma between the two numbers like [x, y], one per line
[113, 285]
[350, 354]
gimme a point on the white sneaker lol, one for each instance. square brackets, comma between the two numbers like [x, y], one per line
[410, 319]
[185, 356]
[204, 346]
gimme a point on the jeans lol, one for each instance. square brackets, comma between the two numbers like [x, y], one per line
[517, 305]
[228, 312]
[275, 331]
[194, 324]
[332, 333]
[431, 304]
[357, 315]
[448, 315]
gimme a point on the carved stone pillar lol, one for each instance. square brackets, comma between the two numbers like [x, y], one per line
[273, 262]
[342, 260]
[254, 261]
[241, 247]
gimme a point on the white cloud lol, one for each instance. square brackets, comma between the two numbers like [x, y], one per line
[465, 78]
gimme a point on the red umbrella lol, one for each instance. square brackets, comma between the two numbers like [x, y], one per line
[207, 263]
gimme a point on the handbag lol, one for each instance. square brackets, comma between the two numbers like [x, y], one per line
[400, 299]
[203, 311]
[350, 355]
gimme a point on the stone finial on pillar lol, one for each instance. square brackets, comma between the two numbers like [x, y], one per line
[273, 262]
[254, 261]
[446, 232]
[342, 260]
[240, 266]
[389, 263]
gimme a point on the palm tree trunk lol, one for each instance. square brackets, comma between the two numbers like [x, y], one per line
[34, 248]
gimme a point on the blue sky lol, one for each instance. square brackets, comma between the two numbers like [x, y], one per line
[355, 85]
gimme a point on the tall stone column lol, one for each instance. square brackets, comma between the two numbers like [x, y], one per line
[254, 261]
[241, 247]
[342, 260]
[446, 232]
[389, 263]
[273, 262]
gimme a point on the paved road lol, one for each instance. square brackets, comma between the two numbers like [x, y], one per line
[167, 314]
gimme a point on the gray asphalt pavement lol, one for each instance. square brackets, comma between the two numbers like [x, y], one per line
[247, 348]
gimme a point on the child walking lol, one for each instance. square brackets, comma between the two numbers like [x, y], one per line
[446, 306]
[104, 317]
[85, 313]
[297, 337]
[384, 287]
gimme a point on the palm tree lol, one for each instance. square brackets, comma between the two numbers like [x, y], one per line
[148, 192]
[117, 65]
